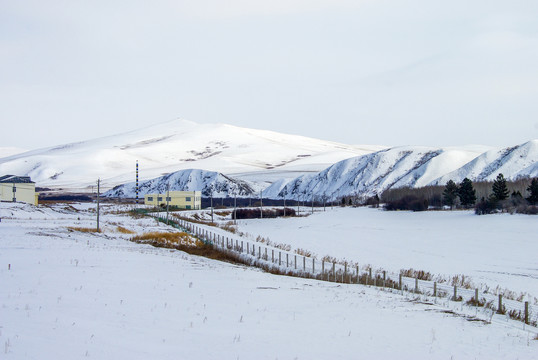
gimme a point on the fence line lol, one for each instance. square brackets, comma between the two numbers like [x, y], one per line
[349, 272]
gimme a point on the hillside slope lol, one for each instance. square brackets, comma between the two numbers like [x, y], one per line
[411, 166]
[178, 145]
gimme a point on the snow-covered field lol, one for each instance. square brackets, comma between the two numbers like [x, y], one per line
[498, 249]
[70, 295]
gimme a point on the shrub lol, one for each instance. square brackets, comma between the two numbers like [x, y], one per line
[484, 206]
[408, 202]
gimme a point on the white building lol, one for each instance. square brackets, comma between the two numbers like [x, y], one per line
[18, 189]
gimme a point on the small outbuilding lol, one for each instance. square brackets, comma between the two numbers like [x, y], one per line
[190, 200]
[18, 189]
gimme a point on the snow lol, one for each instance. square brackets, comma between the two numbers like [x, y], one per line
[177, 145]
[409, 166]
[79, 295]
[208, 182]
[8, 151]
[497, 250]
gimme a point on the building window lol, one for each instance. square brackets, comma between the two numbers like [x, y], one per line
[188, 207]
[150, 198]
[168, 198]
[188, 198]
[159, 198]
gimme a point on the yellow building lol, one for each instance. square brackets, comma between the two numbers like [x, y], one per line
[181, 199]
[18, 189]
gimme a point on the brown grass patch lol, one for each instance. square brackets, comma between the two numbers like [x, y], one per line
[123, 230]
[83, 229]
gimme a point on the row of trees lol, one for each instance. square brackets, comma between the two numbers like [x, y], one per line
[499, 199]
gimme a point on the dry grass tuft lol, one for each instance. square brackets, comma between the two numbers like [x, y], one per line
[82, 229]
[304, 253]
[167, 238]
[420, 274]
[123, 230]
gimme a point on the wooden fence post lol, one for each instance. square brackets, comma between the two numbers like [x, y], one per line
[435, 288]
[500, 307]
[304, 263]
[287, 261]
[322, 266]
[273, 256]
[358, 277]
[295, 261]
[384, 277]
[400, 281]
[416, 285]
[334, 271]
[279, 258]
[313, 266]
[369, 276]
[476, 296]
[455, 293]
[527, 312]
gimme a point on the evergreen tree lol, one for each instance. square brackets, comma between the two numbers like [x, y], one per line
[533, 189]
[450, 193]
[500, 190]
[467, 193]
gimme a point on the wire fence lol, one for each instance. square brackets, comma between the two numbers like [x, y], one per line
[280, 261]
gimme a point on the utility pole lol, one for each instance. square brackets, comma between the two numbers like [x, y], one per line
[167, 200]
[212, 206]
[98, 189]
[235, 209]
[284, 202]
[136, 189]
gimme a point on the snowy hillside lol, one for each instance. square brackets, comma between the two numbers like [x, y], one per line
[513, 162]
[373, 173]
[9, 151]
[208, 182]
[178, 145]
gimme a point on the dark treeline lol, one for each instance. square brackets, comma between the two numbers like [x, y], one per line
[253, 213]
[228, 202]
[418, 199]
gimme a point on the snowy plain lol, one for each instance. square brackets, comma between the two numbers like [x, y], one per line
[68, 295]
[495, 250]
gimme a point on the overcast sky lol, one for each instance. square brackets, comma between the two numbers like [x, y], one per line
[389, 72]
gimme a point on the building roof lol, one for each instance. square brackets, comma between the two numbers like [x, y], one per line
[15, 179]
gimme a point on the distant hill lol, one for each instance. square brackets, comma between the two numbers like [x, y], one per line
[257, 156]
[410, 166]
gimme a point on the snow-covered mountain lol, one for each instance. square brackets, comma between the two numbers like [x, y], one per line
[513, 162]
[409, 166]
[208, 182]
[258, 156]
